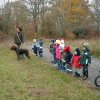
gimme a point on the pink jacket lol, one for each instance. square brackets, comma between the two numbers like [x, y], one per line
[58, 52]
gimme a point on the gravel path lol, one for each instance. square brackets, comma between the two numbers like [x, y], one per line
[93, 68]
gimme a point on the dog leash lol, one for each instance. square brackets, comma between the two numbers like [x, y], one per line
[19, 38]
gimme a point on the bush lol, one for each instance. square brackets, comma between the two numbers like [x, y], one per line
[96, 52]
[79, 33]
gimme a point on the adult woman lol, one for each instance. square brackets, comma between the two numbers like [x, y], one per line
[18, 37]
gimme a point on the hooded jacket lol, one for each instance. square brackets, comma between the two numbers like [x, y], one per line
[85, 57]
[76, 59]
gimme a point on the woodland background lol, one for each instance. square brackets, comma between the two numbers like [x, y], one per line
[50, 18]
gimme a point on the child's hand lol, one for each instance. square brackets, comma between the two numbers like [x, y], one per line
[22, 44]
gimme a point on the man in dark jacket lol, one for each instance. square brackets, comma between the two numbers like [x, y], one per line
[18, 37]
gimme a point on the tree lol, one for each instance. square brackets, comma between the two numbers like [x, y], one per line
[97, 13]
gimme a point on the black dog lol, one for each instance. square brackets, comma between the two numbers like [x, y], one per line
[19, 52]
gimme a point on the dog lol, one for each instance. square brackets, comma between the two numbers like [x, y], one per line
[20, 52]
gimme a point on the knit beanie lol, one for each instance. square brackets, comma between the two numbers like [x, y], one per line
[67, 49]
[78, 51]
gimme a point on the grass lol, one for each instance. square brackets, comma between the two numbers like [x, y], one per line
[37, 80]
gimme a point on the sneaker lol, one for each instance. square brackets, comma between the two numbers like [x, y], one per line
[84, 78]
[55, 65]
[67, 69]
[70, 70]
[52, 62]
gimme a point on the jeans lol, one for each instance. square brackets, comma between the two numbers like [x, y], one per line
[85, 71]
[54, 59]
[40, 51]
[63, 65]
[59, 63]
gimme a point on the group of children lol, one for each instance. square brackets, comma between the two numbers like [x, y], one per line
[77, 63]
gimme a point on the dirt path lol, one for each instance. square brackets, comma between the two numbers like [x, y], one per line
[93, 68]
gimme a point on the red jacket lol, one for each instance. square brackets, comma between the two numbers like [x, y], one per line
[76, 62]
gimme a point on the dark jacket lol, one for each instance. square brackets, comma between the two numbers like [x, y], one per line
[85, 57]
[68, 57]
[34, 48]
[41, 43]
[18, 38]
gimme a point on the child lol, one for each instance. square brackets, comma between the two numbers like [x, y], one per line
[54, 54]
[85, 60]
[62, 45]
[58, 53]
[40, 48]
[34, 48]
[67, 58]
[51, 46]
[76, 63]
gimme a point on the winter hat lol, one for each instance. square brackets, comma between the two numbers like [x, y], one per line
[77, 51]
[86, 45]
[62, 41]
[58, 42]
[53, 41]
[67, 49]
[34, 40]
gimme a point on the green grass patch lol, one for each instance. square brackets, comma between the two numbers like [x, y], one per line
[37, 80]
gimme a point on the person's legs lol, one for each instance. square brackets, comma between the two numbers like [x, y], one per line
[85, 71]
[18, 46]
[59, 63]
[55, 60]
[74, 71]
[79, 71]
[69, 68]
[35, 50]
[63, 65]
[40, 52]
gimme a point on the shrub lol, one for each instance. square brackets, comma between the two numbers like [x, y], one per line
[79, 33]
